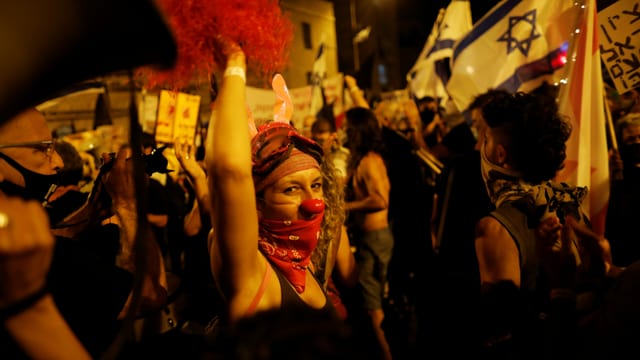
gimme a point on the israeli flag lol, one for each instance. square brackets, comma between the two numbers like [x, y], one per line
[516, 46]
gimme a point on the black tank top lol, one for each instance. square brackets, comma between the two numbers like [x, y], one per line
[290, 297]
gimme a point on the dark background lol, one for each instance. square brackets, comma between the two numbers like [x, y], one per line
[400, 29]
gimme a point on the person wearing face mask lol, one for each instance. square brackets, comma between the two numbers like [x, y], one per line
[92, 289]
[29, 163]
[624, 199]
[274, 208]
[521, 150]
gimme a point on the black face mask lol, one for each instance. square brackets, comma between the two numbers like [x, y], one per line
[630, 153]
[64, 206]
[36, 186]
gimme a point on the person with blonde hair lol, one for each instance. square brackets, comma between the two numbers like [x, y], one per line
[275, 211]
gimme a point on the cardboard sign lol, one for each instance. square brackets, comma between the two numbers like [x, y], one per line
[177, 117]
[186, 120]
[619, 35]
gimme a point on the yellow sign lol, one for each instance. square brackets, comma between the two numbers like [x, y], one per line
[177, 117]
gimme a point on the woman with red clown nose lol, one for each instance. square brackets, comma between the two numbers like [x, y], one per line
[277, 209]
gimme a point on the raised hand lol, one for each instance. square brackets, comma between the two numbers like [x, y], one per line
[594, 247]
[554, 247]
[185, 153]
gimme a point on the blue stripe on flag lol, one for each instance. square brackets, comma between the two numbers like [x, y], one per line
[441, 45]
[442, 70]
[488, 22]
[532, 70]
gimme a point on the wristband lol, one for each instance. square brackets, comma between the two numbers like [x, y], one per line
[235, 71]
[22, 305]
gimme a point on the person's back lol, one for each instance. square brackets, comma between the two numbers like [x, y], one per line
[370, 165]
[522, 148]
[367, 171]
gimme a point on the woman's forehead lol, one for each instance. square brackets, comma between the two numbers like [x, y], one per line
[301, 175]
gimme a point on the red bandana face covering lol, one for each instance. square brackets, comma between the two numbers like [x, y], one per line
[288, 244]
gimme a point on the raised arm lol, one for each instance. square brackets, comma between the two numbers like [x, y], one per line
[234, 251]
[198, 178]
[357, 95]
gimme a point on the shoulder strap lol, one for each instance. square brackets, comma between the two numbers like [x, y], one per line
[263, 286]
[515, 221]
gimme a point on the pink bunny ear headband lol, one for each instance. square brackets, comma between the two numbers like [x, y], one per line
[277, 149]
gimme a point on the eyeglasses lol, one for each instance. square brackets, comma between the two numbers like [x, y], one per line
[47, 147]
[273, 144]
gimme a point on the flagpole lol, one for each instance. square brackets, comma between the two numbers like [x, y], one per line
[356, 55]
[610, 127]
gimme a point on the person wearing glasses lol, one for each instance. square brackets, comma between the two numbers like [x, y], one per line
[32, 325]
[274, 207]
[92, 290]
[28, 160]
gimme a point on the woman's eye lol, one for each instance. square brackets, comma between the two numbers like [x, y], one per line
[316, 186]
[290, 189]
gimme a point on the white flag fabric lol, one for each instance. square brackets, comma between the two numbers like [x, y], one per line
[430, 73]
[516, 46]
[581, 98]
[318, 74]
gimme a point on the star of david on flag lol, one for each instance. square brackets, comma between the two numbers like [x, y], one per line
[516, 46]
[527, 20]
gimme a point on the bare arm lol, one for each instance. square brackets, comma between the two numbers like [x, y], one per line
[413, 115]
[192, 222]
[500, 304]
[43, 334]
[158, 219]
[373, 174]
[196, 174]
[357, 95]
[497, 253]
[198, 178]
[345, 261]
[234, 253]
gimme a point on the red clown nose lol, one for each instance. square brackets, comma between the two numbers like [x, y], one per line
[312, 206]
